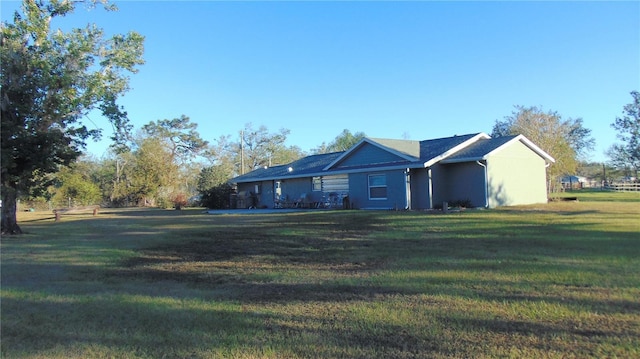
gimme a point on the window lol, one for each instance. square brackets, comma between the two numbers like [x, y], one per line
[377, 187]
[316, 184]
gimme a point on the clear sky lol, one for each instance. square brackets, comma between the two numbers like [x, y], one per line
[417, 70]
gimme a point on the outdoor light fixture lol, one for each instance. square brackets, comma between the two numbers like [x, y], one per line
[290, 169]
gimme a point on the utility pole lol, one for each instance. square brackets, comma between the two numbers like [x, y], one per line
[241, 152]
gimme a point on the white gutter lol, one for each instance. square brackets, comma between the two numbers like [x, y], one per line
[455, 149]
[430, 185]
[407, 189]
[486, 184]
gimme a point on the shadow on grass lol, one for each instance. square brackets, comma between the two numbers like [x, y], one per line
[185, 286]
[125, 325]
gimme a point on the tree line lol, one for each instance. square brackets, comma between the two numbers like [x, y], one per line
[51, 81]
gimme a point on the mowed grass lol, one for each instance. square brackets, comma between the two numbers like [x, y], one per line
[559, 280]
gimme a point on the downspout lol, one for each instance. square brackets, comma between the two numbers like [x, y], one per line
[546, 175]
[430, 189]
[407, 189]
[486, 184]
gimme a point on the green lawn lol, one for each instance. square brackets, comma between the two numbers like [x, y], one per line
[549, 281]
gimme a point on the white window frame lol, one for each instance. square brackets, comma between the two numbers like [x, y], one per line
[377, 186]
[316, 184]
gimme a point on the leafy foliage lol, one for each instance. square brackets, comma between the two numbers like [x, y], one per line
[256, 148]
[564, 140]
[179, 200]
[50, 81]
[217, 197]
[180, 135]
[212, 176]
[150, 172]
[76, 190]
[342, 142]
[627, 154]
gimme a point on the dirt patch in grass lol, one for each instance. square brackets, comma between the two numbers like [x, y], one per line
[268, 261]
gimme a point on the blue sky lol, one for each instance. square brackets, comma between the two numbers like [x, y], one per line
[414, 70]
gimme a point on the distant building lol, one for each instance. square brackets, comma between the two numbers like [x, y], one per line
[573, 182]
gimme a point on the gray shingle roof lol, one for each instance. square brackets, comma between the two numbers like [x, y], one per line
[417, 154]
[430, 149]
[305, 166]
[478, 150]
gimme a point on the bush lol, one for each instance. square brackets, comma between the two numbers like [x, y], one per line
[217, 197]
[461, 203]
[179, 200]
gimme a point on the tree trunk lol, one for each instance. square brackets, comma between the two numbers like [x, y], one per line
[9, 209]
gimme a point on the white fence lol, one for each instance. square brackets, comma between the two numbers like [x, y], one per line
[623, 187]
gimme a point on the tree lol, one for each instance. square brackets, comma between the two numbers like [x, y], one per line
[151, 175]
[564, 140]
[212, 176]
[76, 187]
[260, 148]
[627, 154]
[50, 81]
[180, 134]
[342, 142]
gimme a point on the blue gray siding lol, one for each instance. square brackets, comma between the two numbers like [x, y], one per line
[465, 182]
[420, 188]
[368, 155]
[396, 191]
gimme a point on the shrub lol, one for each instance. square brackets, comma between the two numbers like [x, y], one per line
[461, 203]
[217, 197]
[179, 200]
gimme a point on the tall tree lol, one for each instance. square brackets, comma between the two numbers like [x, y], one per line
[564, 140]
[627, 154]
[180, 134]
[151, 175]
[260, 148]
[342, 142]
[50, 81]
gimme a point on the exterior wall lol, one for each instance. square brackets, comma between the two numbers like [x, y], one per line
[293, 189]
[251, 198]
[464, 182]
[396, 191]
[517, 176]
[440, 187]
[420, 189]
[368, 155]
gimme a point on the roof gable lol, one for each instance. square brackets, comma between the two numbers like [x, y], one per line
[433, 151]
[484, 148]
[370, 151]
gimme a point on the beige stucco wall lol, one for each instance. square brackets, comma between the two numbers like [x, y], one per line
[516, 176]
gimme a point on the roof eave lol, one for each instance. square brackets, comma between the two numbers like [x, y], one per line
[455, 149]
[527, 142]
[373, 143]
[536, 149]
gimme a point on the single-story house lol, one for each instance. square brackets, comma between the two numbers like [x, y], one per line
[570, 182]
[474, 169]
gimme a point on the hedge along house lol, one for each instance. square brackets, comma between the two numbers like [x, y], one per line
[474, 169]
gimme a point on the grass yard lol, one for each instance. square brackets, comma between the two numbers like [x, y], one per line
[560, 280]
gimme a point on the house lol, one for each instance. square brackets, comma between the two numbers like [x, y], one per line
[474, 169]
[572, 182]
